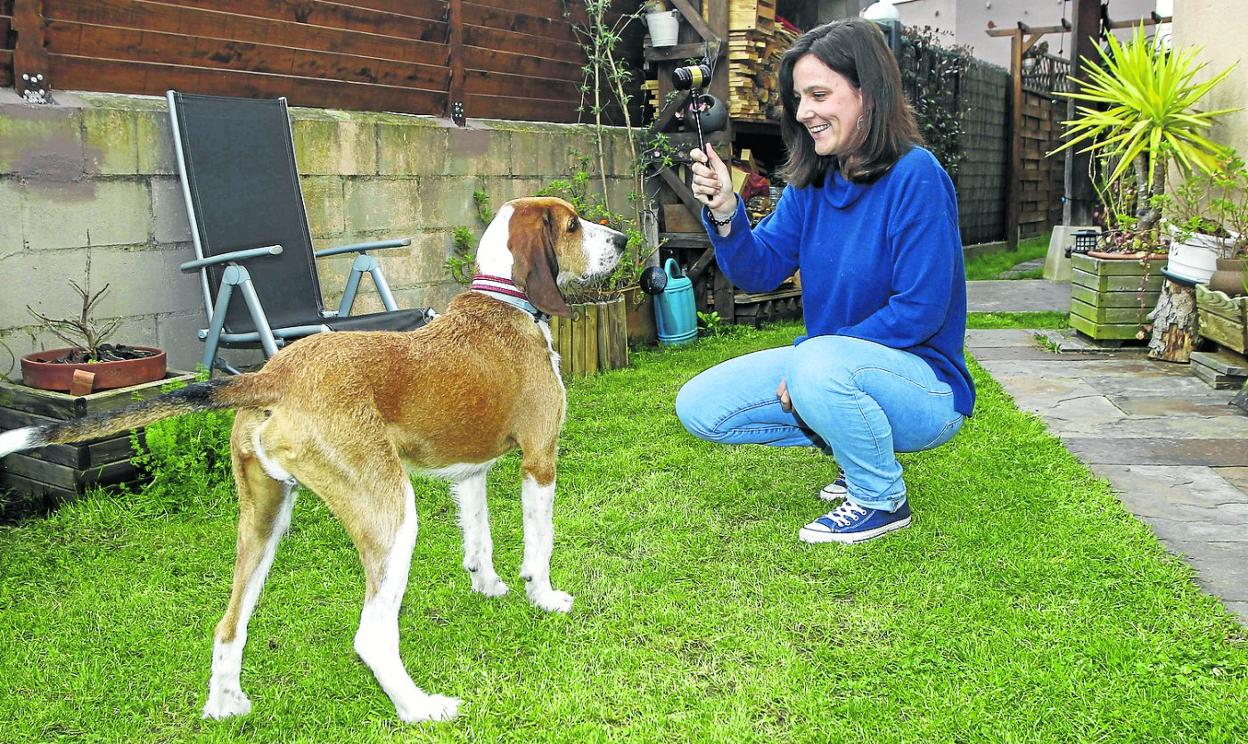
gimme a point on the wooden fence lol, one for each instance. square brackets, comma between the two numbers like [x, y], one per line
[7, 41]
[984, 106]
[1042, 178]
[509, 59]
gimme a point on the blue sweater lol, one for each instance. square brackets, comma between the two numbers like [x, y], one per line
[880, 261]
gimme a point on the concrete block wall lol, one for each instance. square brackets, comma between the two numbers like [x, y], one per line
[89, 191]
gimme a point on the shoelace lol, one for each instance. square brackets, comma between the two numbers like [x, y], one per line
[846, 513]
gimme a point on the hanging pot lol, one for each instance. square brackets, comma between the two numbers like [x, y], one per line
[664, 27]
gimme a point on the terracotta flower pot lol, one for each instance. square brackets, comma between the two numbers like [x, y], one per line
[1229, 276]
[40, 370]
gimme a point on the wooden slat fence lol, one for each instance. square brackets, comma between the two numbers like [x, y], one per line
[520, 59]
[981, 179]
[7, 41]
[1041, 185]
[1042, 178]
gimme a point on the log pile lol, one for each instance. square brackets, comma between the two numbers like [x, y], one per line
[755, 45]
[756, 42]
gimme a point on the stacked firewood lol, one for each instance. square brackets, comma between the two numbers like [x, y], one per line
[755, 45]
[650, 89]
[756, 42]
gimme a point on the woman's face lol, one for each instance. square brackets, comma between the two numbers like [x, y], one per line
[828, 105]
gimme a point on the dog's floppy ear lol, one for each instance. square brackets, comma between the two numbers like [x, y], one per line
[531, 239]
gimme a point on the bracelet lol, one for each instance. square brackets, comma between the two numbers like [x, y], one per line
[710, 216]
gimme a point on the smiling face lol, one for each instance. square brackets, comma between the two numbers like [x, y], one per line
[828, 105]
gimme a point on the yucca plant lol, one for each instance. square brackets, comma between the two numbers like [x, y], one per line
[1143, 114]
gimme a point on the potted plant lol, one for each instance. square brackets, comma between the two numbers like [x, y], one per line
[610, 312]
[1208, 216]
[86, 378]
[1140, 117]
[89, 363]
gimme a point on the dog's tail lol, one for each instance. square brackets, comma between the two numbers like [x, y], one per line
[242, 391]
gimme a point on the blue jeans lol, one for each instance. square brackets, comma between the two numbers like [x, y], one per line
[859, 401]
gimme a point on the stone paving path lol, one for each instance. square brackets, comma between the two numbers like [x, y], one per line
[1171, 446]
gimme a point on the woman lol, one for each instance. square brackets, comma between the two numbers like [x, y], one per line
[870, 218]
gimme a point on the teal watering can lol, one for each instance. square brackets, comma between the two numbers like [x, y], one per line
[674, 314]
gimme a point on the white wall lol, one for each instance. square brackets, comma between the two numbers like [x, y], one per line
[1220, 28]
[969, 19]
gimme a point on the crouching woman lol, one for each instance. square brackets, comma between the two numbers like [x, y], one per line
[870, 219]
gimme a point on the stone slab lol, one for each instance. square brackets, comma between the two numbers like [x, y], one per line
[1144, 451]
[1236, 476]
[1171, 427]
[1160, 487]
[1221, 566]
[1208, 404]
[1011, 353]
[1017, 296]
[993, 338]
[1068, 340]
[1223, 361]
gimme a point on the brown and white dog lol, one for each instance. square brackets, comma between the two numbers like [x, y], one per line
[343, 415]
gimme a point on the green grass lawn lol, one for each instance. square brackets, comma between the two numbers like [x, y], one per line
[1037, 320]
[1024, 604]
[991, 265]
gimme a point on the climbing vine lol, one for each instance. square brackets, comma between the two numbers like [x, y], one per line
[931, 75]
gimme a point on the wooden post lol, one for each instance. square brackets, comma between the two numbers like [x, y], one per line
[717, 22]
[31, 76]
[589, 339]
[455, 61]
[1085, 36]
[603, 342]
[1013, 187]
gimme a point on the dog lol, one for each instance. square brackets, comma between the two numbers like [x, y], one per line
[346, 414]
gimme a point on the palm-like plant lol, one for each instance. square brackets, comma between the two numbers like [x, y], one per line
[1143, 114]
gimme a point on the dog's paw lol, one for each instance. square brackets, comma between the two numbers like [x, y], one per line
[552, 600]
[431, 708]
[490, 586]
[226, 704]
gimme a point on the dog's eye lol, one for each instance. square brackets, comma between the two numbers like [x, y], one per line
[573, 225]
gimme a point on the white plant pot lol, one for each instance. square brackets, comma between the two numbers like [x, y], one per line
[1194, 259]
[664, 27]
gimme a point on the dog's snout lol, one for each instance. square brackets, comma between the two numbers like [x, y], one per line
[617, 239]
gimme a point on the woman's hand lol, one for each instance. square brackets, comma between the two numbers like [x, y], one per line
[712, 184]
[782, 392]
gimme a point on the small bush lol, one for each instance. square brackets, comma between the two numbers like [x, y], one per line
[187, 459]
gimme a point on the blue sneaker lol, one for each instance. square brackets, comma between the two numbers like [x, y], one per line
[853, 523]
[836, 489]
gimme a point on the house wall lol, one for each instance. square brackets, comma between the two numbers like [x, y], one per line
[89, 192]
[1219, 27]
[968, 21]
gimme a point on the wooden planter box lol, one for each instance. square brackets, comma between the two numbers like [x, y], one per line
[595, 339]
[1222, 319]
[36, 480]
[1106, 301]
[639, 317]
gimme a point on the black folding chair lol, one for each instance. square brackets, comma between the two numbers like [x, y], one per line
[236, 160]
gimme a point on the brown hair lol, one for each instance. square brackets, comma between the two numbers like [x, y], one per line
[855, 48]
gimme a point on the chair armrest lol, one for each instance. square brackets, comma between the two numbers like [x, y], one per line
[362, 247]
[243, 255]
